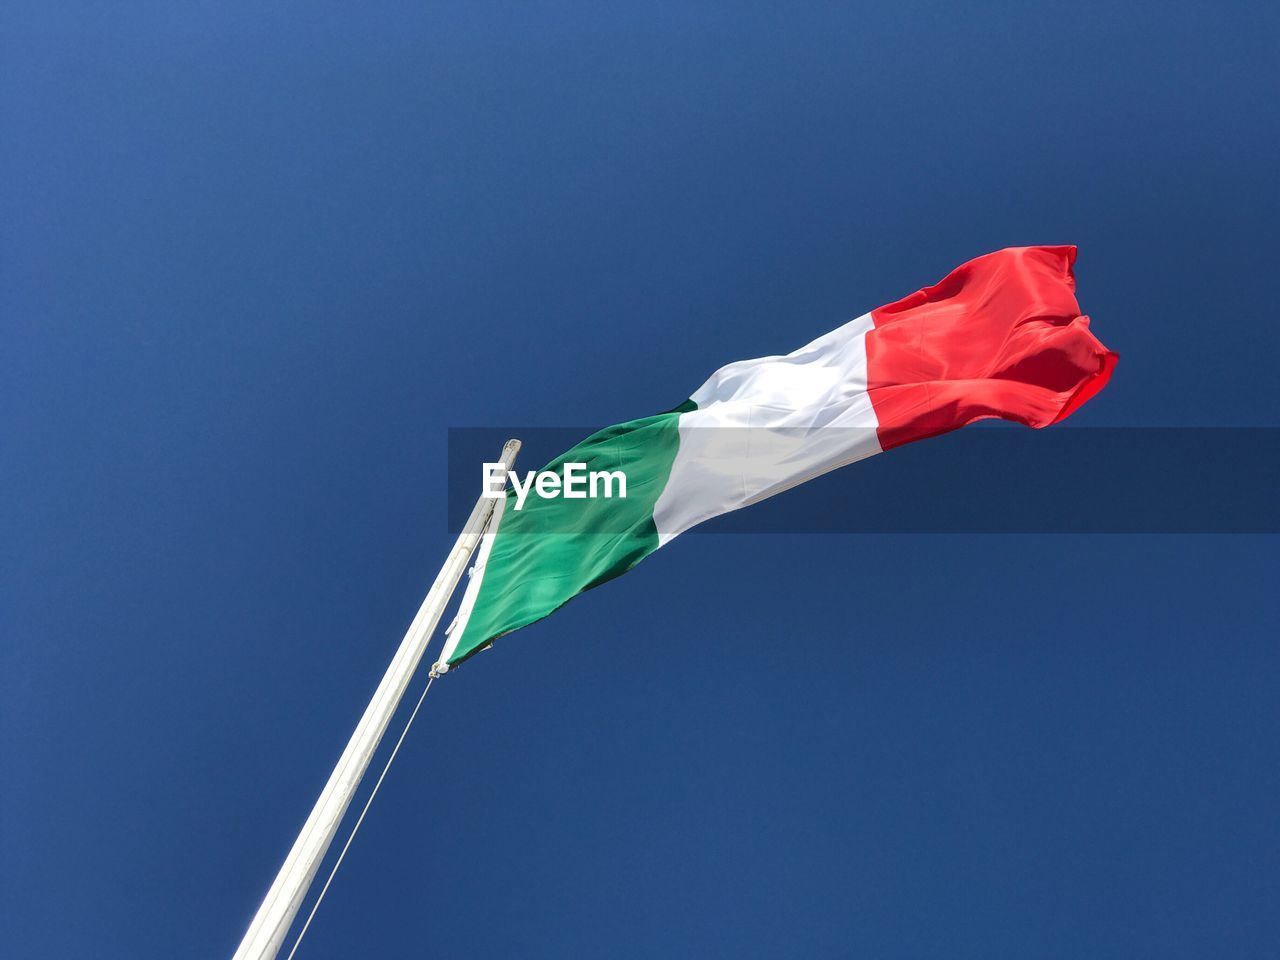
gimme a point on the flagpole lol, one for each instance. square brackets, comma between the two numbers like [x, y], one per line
[276, 914]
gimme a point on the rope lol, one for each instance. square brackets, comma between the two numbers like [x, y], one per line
[325, 889]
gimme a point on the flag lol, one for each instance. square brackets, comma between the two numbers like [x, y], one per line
[1001, 336]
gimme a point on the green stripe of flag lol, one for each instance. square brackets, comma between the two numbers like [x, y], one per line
[553, 549]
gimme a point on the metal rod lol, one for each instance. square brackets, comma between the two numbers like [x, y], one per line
[276, 914]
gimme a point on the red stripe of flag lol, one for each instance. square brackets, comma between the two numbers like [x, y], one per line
[1001, 336]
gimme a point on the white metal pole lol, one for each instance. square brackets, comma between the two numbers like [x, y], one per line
[274, 917]
[453, 633]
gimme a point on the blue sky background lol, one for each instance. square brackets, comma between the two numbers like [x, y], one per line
[257, 258]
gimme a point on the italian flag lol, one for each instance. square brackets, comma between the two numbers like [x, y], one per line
[1000, 336]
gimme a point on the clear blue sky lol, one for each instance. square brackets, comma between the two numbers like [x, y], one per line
[257, 258]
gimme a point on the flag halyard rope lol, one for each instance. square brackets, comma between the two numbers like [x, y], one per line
[368, 803]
